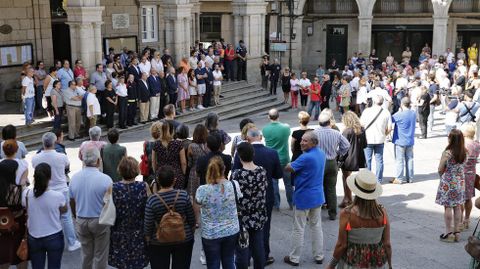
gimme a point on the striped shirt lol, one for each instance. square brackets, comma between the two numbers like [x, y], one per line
[155, 209]
[332, 142]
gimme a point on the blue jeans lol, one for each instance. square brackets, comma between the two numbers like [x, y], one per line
[67, 222]
[287, 181]
[378, 150]
[314, 106]
[49, 246]
[256, 250]
[29, 107]
[404, 157]
[220, 250]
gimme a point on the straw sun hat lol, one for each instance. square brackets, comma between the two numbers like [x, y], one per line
[365, 185]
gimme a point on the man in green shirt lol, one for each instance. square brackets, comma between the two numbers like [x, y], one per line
[276, 137]
[112, 154]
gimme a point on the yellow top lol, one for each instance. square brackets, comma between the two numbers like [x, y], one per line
[472, 53]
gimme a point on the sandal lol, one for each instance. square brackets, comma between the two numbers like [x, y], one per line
[456, 236]
[466, 224]
[448, 238]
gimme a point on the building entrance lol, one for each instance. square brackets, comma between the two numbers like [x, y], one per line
[337, 41]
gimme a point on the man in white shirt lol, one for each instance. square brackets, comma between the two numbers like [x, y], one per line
[347, 72]
[28, 96]
[449, 56]
[383, 93]
[377, 123]
[93, 106]
[145, 66]
[60, 166]
[401, 85]
[73, 99]
[217, 84]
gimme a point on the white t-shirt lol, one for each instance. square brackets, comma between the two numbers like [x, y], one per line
[362, 95]
[58, 163]
[22, 167]
[30, 88]
[92, 101]
[383, 93]
[355, 84]
[217, 75]
[145, 67]
[43, 212]
[304, 82]
[121, 90]
[376, 132]
[401, 83]
[157, 65]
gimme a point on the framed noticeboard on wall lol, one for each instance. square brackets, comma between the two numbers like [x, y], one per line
[118, 43]
[16, 54]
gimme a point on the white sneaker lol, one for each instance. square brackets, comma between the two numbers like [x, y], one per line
[200, 107]
[203, 260]
[75, 246]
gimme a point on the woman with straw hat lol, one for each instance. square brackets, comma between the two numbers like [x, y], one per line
[364, 234]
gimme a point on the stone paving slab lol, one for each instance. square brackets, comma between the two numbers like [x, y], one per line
[416, 221]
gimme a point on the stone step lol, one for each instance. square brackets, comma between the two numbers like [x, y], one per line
[229, 89]
[230, 99]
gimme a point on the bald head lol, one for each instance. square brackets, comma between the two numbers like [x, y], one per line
[273, 114]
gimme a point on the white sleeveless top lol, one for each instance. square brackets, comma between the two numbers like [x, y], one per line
[49, 88]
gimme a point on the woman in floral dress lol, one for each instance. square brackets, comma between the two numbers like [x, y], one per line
[451, 190]
[167, 151]
[473, 150]
[127, 241]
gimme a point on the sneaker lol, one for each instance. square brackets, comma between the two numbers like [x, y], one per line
[75, 246]
[396, 181]
[200, 107]
[203, 260]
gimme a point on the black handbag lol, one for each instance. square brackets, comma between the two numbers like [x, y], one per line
[473, 245]
[243, 237]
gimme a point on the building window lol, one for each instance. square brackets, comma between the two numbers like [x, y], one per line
[149, 24]
[210, 27]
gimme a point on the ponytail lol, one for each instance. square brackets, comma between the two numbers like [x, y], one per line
[41, 176]
[215, 170]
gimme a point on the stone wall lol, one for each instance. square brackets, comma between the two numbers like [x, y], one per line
[30, 24]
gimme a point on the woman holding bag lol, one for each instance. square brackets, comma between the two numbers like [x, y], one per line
[127, 242]
[44, 206]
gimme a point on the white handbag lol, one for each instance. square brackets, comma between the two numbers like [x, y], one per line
[109, 213]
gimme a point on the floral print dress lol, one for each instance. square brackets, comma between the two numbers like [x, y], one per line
[473, 148]
[170, 155]
[198, 150]
[127, 241]
[451, 190]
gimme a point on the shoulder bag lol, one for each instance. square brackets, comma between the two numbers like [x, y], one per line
[22, 251]
[243, 237]
[109, 213]
[374, 119]
[473, 245]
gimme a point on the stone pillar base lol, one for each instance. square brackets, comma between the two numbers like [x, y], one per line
[253, 70]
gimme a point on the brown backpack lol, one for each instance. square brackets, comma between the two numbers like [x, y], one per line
[171, 228]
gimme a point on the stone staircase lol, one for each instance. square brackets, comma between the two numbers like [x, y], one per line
[240, 99]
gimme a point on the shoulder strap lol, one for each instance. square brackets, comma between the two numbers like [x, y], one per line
[469, 111]
[476, 226]
[169, 208]
[374, 119]
[163, 201]
[234, 191]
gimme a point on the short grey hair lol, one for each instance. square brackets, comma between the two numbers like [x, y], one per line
[95, 132]
[254, 132]
[90, 156]
[312, 136]
[378, 99]
[48, 139]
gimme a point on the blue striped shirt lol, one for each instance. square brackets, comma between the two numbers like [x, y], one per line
[332, 142]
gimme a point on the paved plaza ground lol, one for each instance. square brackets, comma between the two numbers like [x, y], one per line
[416, 221]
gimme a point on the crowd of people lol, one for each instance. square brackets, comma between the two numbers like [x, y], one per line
[191, 185]
[128, 82]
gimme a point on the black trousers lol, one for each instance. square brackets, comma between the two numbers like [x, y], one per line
[229, 70]
[109, 110]
[179, 254]
[122, 111]
[303, 100]
[273, 86]
[207, 97]
[173, 99]
[325, 103]
[423, 121]
[131, 112]
[101, 99]
[164, 100]
[241, 70]
[266, 230]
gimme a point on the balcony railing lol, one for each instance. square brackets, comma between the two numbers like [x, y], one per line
[333, 7]
[402, 6]
[464, 6]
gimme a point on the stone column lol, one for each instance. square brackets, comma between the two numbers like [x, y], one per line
[364, 34]
[248, 26]
[177, 29]
[85, 20]
[439, 40]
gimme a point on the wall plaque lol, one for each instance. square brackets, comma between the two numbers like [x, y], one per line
[120, 21]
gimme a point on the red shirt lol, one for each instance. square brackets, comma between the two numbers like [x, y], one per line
[229, 54]
[80, 71]
[317, 88]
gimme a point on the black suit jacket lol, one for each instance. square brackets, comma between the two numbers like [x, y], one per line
[268, 159]
[202, 164]
[135, 71]
[143, 92]
[172, 84]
